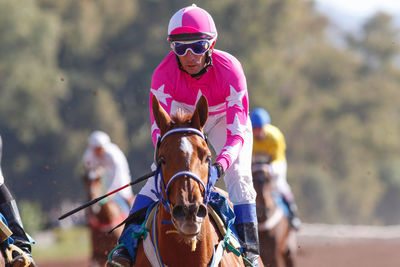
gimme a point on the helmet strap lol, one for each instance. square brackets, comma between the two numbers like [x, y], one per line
[208, 63]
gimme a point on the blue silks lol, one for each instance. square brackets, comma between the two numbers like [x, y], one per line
[141, 201]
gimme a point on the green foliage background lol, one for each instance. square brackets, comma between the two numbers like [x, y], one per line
[70, 67]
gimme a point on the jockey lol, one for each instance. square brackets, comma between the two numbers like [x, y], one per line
[9, 209]
[105, 159]
[194, 68]
[269, 141]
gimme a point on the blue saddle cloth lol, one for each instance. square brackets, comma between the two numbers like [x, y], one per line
[221, 206]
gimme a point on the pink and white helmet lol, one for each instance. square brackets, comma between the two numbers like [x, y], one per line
[191, 23]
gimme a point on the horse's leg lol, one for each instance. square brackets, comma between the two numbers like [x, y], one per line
[102, 244]
[268, 248]
[290, 254]
[283, 244]
[260, 262]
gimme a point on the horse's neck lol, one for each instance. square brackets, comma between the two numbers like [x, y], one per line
[172, 244]
[105, 212]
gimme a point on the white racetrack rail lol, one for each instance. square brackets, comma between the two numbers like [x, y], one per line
[349, 231]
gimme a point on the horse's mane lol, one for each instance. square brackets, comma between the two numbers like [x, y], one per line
[181, 118]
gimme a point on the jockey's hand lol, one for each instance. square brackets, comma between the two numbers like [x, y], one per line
[215, 172]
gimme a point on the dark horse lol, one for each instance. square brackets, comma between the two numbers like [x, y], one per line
[182, 233]
[277, 239]
[101, 218]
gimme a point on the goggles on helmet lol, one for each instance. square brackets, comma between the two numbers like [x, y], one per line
[197, 47]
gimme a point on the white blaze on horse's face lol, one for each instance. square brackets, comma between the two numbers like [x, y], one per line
[187, 148]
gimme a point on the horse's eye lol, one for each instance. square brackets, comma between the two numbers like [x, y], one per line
[208, 158]
[161, 160]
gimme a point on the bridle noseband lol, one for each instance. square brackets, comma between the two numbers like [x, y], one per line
[159, 181]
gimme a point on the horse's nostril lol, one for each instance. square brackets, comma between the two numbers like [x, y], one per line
[202, 211]
[178, 213]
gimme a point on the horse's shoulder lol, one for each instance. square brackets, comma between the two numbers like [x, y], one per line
[141, 258]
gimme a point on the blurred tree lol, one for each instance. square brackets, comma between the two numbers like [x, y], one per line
[30, 81]
[32, 216]
[387, 208]
[378, 43]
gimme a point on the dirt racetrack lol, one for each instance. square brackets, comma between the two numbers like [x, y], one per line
[348, 246]
[327, 246]
[348, 253]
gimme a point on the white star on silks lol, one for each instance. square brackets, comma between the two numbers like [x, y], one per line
[235, 127]
[232, 150]
[161, 96]
[154, 127]
[235, 98]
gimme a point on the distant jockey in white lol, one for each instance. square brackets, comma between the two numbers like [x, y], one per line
[105, 159]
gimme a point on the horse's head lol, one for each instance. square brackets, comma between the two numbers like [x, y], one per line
[184, 157]
[263, 184]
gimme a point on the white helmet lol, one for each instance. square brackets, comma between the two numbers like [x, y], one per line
[98, 139]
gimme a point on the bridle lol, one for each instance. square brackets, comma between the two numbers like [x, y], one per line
[159, 180]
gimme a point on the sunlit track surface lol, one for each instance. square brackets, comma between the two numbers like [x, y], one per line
[349, 231]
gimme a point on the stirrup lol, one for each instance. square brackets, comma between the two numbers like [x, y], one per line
[12, 252]
[250, 262]
[119, 257]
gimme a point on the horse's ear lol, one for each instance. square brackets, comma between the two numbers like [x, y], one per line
[160, 115]
[200, 114]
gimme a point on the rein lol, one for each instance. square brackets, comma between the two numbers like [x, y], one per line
[159, 180]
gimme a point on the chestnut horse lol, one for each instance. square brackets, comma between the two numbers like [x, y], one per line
[102, 217]
[182, 232]
[277, 239]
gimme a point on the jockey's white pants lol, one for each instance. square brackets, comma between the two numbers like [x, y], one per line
[1, 177]
[278, 172]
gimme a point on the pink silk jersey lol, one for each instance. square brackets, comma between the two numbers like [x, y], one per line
[224, 86]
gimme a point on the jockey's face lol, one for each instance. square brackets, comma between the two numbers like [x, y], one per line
[192, 63]
[258, 133]
[99, 151]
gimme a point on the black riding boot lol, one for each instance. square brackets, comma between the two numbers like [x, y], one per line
[9, 209]
[120, 256]
[248, 235]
